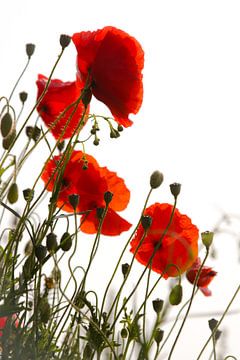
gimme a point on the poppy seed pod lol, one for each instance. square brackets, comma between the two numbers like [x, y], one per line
[13, 193]
[120, 127]
[8, 140]
[157, 305]
[158, 335]
[212, 323]
[207, 238]
[66, 242]
[23, 96]
[108, 197]
[74, 200]
[28, 194]
[146, 222]
[156, 179]
[64, 40]
[125, 269]
[51, 242]
[30, 48]
[175, 189]
[40, 252]
[6, 124]
[175, 296]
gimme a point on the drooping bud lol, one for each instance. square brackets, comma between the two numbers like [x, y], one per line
[108, 197]
[64, 40]
[8, 140]
[157, 305]
[207, 238]
[66, 242]
[175, 189]
[146, 221]
[175, 296]
[156, 179]
[114, 134]
[30, 48]
[28, 194]
[158, 335]
[6, 124]
[40, 252]
[51, 242]
[74, 201]
[23, 96]
[125, 269]
[13, 193]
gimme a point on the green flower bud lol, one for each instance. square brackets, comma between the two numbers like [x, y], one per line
[175, 189]
[156, 179]
[207, 238]
[175, 296]
[64, 40]
[51, 242]
[8, 140]
[40, 252]
[66, 242]
[6, 124]
[114, 134]
[13, 193]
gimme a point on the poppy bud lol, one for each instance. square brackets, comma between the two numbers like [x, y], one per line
[207, 238]
[61, 145]
[156, 179]
[124, 333]
[66, 242]
[86, 96]
[51, 242]
[100, 212]
[175, 296]
[175, 189]
[64, 40]
[23, 96]
[158, 335]
[146, 221]
[157, 305]
[30, 50]
[108, 197]
[93, 131]
[40, 252]
[125, 269]
[6, 124]
[13, 193]
[120, 127]
[28, 194]
[7, 141]
[74, 200]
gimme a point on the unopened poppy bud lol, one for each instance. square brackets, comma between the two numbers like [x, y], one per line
[175, 189]
[175, 296]
[23, 96]
[6, 124]
[66, 242]
[30, 48]
[146, 221]
[51, 242]
[125, 269]
[124, 333]
[100, 212]
[40, 252]
[13, 193]
[8, 140]
[207, 238]
[28, 194]
[120, 127]
[158, 335]
[156, 179]
[212, 324]
[86, 96]
[74, 200]
[61, 145]
[157, 305]
[108, 197]
[33, 132]
[64, 40]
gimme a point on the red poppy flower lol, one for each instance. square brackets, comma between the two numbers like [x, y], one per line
[3, 322]
[57, 98]
[206, 276]
[90, 184]
[178, 247]
[112, 61]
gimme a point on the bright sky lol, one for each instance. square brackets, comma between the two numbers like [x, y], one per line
[188, 126]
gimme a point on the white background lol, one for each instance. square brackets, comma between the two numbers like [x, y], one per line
[188, 126]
